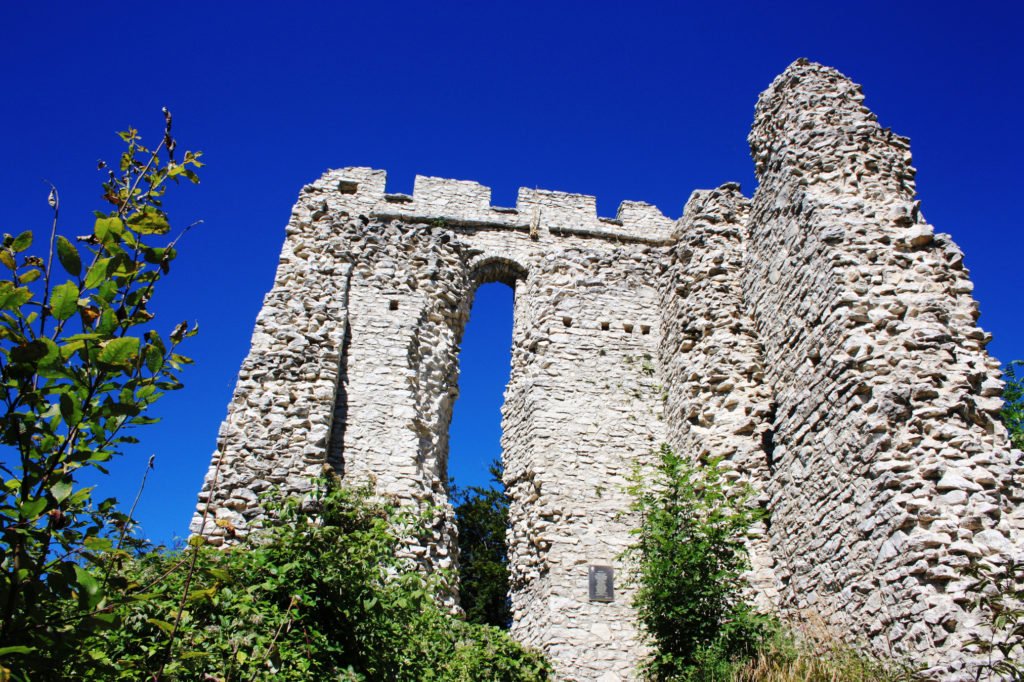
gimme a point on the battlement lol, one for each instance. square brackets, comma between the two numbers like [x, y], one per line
[468, 204]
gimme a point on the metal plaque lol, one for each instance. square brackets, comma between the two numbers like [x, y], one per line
[602, 583]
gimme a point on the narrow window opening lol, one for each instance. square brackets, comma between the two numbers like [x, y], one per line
[393, 305]
[474, 462]
[348, 187]
[605, 326]
[567, 321]
[645, 329]
[627, 327]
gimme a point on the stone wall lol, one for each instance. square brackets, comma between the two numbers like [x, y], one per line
[716, 402]
[370, 301]
[889, 469]
[820, 338]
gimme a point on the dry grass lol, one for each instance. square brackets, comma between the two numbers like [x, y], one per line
[814, 655]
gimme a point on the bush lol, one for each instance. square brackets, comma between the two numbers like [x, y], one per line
[320, 595]
[998, 592]
[1013, 409]
[689, 560]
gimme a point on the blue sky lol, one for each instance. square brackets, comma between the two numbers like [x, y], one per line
[639, 100]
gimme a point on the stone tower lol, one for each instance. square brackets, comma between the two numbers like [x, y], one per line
[820, 336]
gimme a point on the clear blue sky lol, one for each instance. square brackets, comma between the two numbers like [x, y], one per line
[638, 100]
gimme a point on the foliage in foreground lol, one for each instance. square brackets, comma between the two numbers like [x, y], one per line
[999, 597]
[320, 596]
[482, 518]
[81, 361]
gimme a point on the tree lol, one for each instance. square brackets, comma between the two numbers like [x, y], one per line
[82, 358]
[482, 518]
[1013, 410]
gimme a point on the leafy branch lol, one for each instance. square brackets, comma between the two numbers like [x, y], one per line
[81, 362]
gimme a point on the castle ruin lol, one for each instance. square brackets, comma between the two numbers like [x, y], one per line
[820, 336]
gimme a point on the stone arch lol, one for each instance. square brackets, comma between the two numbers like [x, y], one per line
[487, 269]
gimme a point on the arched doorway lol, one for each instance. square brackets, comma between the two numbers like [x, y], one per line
[476, 489]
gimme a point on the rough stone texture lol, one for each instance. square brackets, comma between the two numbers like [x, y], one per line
[890, 468]
[820, 337]
[717, 404]
[354, 363]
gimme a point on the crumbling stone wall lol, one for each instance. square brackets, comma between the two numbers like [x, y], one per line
[717, 404]
[890, 469]
[370, 301]
[820, 338]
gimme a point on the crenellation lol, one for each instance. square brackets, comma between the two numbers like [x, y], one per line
[820, 338]
[460, 203]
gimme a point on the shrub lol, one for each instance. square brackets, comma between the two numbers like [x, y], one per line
[999, 597]
[319, 595]
[689, 560]
[1013, 409]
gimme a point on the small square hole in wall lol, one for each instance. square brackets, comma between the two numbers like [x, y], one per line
[627, 327]
[605, 326]
[567, 321]
[645, 329]
[393, 305]
[348, 187]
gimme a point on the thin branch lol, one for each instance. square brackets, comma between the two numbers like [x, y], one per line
[273, 641]
[138, 495]
[191, 571]
[54, 200]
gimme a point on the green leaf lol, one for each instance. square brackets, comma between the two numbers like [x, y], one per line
[119, 352]
[154, 359]
[7, 258]
[12, 298]
[98, 544]
[97, 273]
[52, 356]
[162, 624]
[71, 348]
[107, 323]
[22, 241]
[68, 256]
[108, 229]
[218, 573]
[31, 509]
[29, 276]
[18, 649]
[64, 300]
[149, 220]
[156, 255]
[61, 489]
[30, 352]
[70, 409]
[90, 591]
[200, 595]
